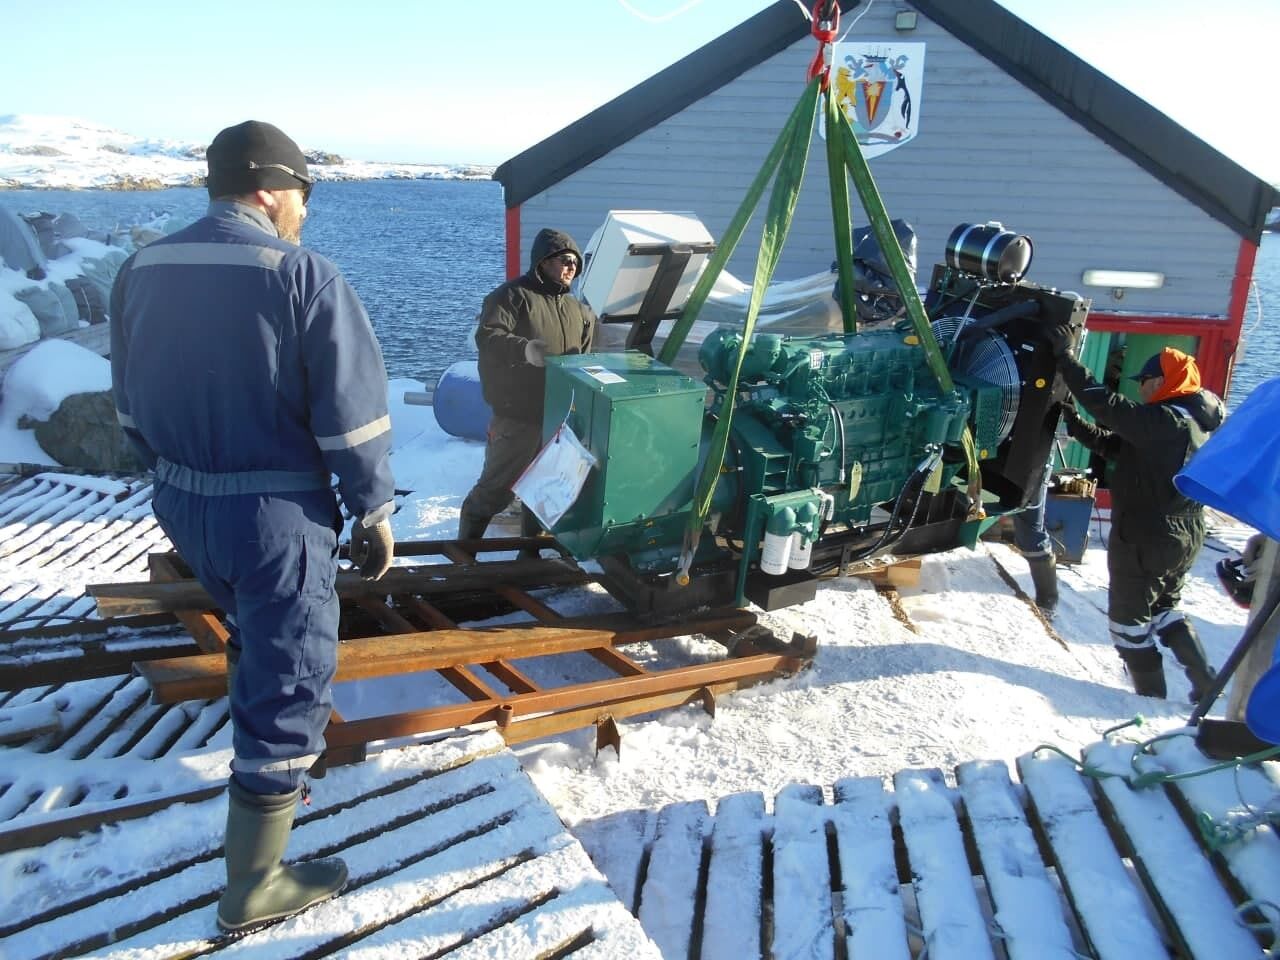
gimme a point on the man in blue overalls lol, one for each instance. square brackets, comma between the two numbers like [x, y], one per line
[245, 369]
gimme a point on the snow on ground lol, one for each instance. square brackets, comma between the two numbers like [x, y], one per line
[973, 675]
[964, 671]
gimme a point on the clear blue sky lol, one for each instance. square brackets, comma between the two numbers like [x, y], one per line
[440, 80]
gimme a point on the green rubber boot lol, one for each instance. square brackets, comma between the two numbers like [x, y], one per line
[259, 888]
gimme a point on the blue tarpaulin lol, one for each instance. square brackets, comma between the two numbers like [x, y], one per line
[1237, 471]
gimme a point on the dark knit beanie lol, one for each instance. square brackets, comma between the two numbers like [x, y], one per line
[254, 156]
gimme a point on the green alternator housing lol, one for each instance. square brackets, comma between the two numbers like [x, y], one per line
[642, 421]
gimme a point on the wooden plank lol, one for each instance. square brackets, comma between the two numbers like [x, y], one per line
[871, 904]
[1027, 908]
[69, 825]
[735, 880]
[1108, 907]
[1228, 798]
[547, 906]
[23, 723]
[445, 794]
[618, 845]
[901, 573]
[803, 925]
[950, 915]
[202, 677]
[669, 898]
[1179, 880]
[127, 599]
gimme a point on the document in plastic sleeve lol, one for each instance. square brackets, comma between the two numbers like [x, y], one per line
[551, 483]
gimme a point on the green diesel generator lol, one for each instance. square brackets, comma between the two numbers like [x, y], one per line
[843, 447]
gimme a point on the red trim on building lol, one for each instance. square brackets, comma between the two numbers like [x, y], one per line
[1219, 336]
[513, 242]
[1239, 300]
[1216, 335]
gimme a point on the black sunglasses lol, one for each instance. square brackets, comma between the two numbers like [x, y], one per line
[307, 182]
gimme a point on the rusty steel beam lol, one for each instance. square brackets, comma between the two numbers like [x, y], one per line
[600, 694]
[534, 728]
[85, 665]
[204, 677]
[512, 677]
[519, 598]
[130, 599]
[203, 625]
[468, 684]
[617, 661]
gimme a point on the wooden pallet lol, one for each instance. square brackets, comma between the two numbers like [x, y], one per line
[450, 849]
[1060, 866]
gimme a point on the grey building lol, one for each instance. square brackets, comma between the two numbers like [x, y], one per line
[1010, 126]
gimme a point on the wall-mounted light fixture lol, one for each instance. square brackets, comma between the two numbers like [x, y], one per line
[904, 20]
[1134, 279]
[1121, 280]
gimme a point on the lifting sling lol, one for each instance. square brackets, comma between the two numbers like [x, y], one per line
[785, 165]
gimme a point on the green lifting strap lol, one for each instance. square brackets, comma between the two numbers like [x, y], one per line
[790, 155]
[802, 115]
[848, 151]
[851, 154]
[840, 219]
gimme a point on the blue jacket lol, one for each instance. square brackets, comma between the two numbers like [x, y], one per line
[242, 363]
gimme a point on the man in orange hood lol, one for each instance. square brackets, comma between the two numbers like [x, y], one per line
[1156, 532]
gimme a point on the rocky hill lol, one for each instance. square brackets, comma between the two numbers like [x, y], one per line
[64, 153]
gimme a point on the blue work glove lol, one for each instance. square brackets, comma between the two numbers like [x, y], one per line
[535, 352]
[372, 548]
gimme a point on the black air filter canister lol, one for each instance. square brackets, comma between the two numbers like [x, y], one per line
[989, 251]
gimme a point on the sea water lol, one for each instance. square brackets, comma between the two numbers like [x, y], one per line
[422, 254]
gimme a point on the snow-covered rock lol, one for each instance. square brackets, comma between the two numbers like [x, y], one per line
[66, 153]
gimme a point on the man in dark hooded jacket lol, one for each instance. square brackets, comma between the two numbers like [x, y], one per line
[521, 323]
[1156, 532]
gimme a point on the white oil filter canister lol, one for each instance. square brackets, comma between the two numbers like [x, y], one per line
[801, 551]
[801, 544]
[777, 542]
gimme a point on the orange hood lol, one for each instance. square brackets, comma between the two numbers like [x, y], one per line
[1181, 375]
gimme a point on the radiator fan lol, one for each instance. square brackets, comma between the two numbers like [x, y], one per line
[982, 355]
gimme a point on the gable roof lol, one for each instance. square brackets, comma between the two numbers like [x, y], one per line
[1173, 155]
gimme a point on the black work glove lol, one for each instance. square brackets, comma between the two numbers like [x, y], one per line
[372, 548]
[1059, 339]
[535, 352]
